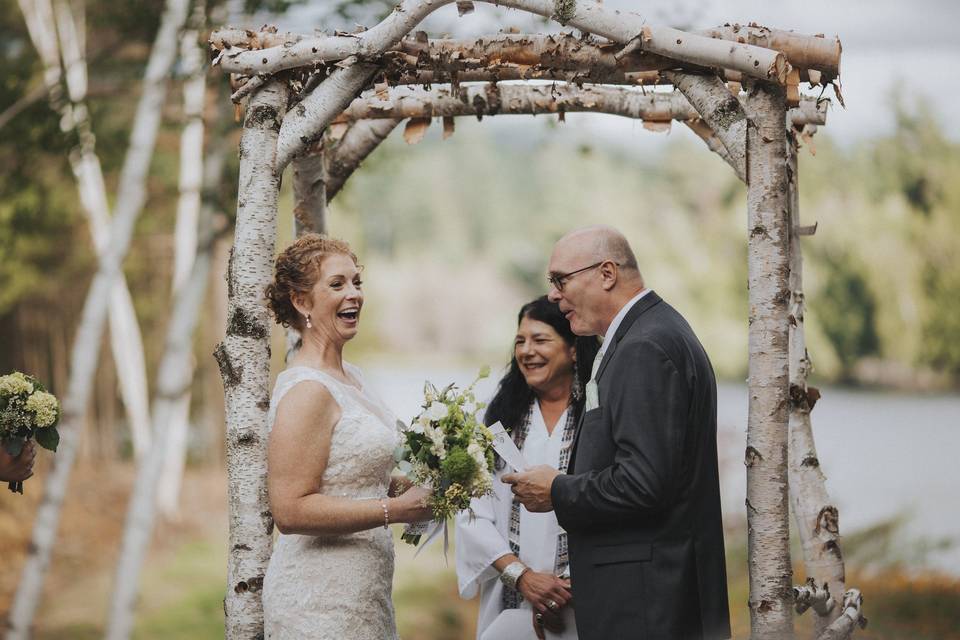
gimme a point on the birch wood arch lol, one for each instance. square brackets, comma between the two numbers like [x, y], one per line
[323, 103]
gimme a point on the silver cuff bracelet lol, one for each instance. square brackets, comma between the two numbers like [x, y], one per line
[512, 573]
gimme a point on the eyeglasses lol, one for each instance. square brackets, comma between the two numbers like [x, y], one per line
[559, 280]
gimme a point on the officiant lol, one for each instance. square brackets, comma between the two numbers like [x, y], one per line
[517, 560]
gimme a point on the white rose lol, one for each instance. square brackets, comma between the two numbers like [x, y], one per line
[437, 411]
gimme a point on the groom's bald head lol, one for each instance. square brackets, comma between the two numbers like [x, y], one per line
[595, 273]
[601, 242]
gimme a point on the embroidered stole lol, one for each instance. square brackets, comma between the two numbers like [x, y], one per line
[511, 597]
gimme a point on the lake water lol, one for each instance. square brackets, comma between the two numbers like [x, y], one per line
[884, 454]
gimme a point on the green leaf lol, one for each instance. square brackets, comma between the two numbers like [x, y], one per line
[48, 438]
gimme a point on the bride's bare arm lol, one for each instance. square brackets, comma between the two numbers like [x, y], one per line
[297, 456]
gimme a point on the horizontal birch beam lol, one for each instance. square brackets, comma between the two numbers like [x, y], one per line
[525, 99]
[816, 52]
[516, 99]
[617, 26]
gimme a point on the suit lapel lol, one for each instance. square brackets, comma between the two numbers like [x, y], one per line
[643, 305]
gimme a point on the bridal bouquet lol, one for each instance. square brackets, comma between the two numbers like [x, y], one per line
[448, 449]
[26, 411]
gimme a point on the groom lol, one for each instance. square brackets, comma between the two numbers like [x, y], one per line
[641, 500]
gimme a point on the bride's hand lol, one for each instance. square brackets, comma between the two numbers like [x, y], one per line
[411, 506]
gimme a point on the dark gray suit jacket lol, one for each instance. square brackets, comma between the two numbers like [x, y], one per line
[641, 503]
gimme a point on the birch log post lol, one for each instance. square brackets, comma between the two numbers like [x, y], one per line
[185, 237]
[84, 355]
[309, 213]
[768, 539]
[174, 378]
[56, 35]
[244, 359]
[310, 193]
[816, 517]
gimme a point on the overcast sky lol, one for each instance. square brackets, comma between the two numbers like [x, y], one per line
[888, 46]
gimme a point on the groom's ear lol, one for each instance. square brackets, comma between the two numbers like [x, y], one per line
[608, 275]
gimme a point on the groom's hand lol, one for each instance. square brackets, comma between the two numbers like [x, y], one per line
[532, 487]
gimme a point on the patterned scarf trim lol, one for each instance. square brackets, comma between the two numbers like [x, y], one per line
[512, 598]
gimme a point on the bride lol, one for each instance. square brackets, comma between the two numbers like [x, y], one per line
[329, 461]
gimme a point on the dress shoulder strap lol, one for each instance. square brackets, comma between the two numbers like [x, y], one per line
[289, 378]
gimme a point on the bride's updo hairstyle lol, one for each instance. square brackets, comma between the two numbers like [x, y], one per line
[297, 270]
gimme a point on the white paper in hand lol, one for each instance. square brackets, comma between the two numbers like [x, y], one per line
[506, 448]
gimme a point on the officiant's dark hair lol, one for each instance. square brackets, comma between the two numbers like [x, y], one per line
[514, 395]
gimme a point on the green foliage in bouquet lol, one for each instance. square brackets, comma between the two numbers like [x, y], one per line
[26, 411]
[448, 449]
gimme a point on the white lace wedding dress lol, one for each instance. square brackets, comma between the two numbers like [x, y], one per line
[338, 587]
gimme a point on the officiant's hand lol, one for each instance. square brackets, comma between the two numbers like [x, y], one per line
[550, 621]
[545, 592]
[532, 487]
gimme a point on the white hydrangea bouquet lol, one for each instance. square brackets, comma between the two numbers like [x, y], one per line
[448, 449]
[27, 412]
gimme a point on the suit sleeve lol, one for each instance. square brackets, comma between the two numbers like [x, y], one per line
[649, 406]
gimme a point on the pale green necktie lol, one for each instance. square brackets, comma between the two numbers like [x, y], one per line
[592, 400]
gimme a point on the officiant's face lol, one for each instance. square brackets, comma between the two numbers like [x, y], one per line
[336, 299]
[545, 358]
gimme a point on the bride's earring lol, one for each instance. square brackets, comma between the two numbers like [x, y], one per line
[309, 326]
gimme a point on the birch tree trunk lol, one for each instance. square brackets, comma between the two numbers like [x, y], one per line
[185, 238]
[244, 359]
[84, 356]
[816, 517]
[56, 35]
[771, 575]
[174, 379]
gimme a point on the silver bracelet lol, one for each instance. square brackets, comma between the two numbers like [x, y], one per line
[511, 574]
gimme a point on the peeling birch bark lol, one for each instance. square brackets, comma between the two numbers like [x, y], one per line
[352, 149]
[720, 110]
[244, 359]
[622, 27]
[817, 518]
[54, 32]
[768, 539]
[84, 356]
[174, 379]
[185, 239]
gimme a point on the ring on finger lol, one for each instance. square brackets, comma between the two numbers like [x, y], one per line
[539, 619]
[552, 605]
